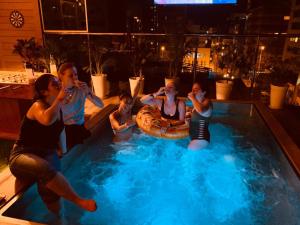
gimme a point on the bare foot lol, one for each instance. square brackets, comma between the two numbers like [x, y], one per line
[88, 204]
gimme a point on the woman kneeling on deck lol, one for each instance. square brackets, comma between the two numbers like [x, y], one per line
[201, 113]
[121, 120]
[34, 156]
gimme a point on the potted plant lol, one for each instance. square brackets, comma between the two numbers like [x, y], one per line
[281, 73]
[99, 79]
[225, 63]
[32, 54]
[55, 53]
[140, 54]
[176, 54]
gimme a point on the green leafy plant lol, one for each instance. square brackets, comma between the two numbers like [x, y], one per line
[176, 49]
[97, 50]
[140, 53]
[57, 50]
[284, 71]
[31, 52]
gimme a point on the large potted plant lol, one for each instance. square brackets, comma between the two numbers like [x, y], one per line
[99, 79]
[176, 50]
[282, 73]
[139, 56]
[31, 53]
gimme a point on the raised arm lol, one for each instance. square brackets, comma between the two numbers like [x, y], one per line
[200, 107]
[90, 95]
[44, 115]
[95, 100]
[150, 98]
[136, 90]
[116, 125]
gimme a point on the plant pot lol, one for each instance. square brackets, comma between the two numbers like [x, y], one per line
[277, 96]
[100, 85]
[174, 80]
[223, 89]
[133, 81]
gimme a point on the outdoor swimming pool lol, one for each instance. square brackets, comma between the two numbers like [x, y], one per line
[242, 178]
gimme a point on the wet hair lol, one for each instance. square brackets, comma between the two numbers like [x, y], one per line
[198, 83]
[63, 67]
[203, 85]
[41, 84]
[124, 94]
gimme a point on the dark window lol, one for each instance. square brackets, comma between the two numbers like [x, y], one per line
[294, 50]
[297, 13]
[63, 14]
[296, 26]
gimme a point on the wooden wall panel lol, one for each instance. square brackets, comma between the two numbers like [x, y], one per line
[9, 34]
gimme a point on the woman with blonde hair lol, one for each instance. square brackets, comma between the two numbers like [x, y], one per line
[73, 107]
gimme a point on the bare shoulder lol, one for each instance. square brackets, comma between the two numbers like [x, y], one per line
[36, 107]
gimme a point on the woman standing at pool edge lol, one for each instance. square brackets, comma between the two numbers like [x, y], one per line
[34, 156]
[201, 113]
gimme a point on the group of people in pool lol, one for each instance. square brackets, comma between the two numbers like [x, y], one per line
[172, 109]
[55, 123]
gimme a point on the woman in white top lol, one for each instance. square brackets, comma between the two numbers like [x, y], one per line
[73, 107]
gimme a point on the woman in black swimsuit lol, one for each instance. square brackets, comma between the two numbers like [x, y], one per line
[170, 107]
[201, 113]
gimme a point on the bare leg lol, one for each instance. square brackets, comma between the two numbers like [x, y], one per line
[61, 187]
[198, 145]
[54, 207]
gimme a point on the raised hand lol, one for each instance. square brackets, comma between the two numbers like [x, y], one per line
[191, 96]
[130, 123]
[160, 91]
[83, 86]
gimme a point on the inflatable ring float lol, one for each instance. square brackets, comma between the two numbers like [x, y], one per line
[149, 120]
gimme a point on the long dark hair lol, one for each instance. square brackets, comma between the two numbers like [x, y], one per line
[41, 84]
[124, 94]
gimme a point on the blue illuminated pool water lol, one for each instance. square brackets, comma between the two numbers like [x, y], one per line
[242, 178]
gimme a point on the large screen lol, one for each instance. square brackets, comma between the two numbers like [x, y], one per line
[193, 2]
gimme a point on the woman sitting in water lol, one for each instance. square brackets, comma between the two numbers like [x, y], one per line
[201, 113]
[121, 119]
[34, 155]
[170, 107]
[73, 107]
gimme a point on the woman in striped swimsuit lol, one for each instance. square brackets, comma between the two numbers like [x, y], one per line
[202, 110]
